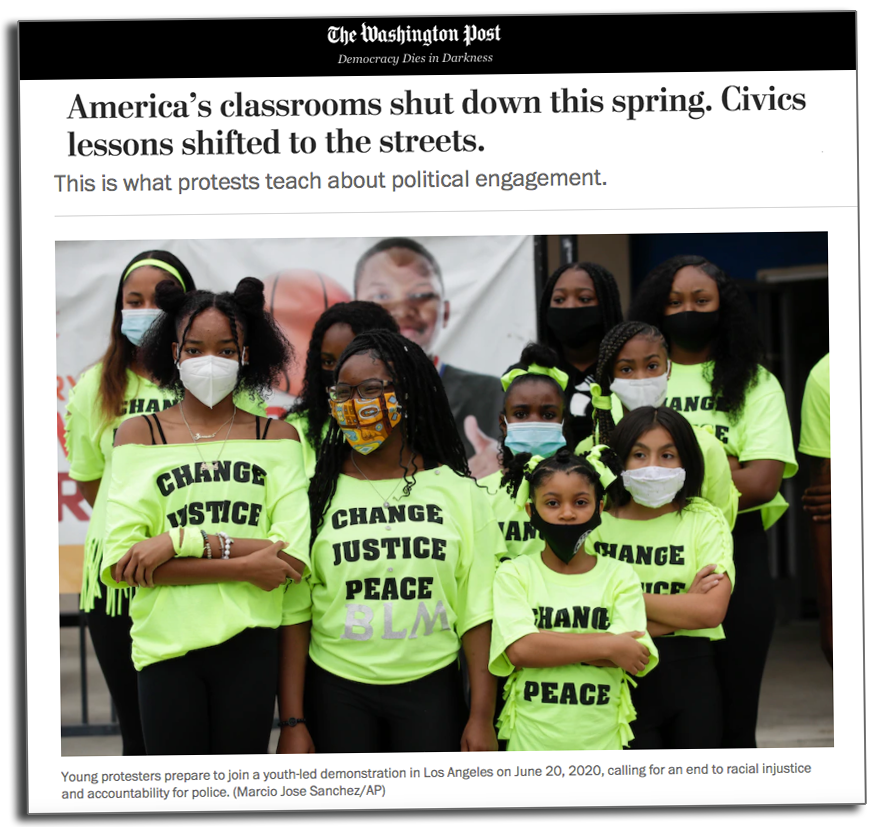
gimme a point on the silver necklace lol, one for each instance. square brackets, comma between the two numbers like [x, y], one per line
[389, 496]
[213, 464]
[197, 437]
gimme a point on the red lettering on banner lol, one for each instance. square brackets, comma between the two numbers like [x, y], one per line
[71, 501]
[60, 386]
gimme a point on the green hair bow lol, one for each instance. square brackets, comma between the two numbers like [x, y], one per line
[558, 376]
[594, 457]
[522, 497]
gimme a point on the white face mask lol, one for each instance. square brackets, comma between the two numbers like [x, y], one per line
[654, 485]
[636, 393]
[209, 378]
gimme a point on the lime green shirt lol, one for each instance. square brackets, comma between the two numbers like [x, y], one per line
[519, 534]
[761, 432]
[258, 492]
[89, 440]
[816, 413]
[394, 589]
[565, 707]
[667, 552]
[310, 458]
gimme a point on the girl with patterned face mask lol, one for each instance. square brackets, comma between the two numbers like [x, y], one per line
[569, 625]
[401, 571]
[681, 549]
[115, 389]
[207, 517]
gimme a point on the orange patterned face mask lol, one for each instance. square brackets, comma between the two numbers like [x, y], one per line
[366, 423]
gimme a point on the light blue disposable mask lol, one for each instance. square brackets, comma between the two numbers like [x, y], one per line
[135, 323]
[542, 438]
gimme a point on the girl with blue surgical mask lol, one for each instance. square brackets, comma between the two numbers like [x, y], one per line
[532, 423]
[114, 389]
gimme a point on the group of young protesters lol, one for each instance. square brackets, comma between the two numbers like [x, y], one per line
[421, 558]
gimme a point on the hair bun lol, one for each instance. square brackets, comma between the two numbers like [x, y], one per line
[249, 295]
[537, 354]
[169, 295]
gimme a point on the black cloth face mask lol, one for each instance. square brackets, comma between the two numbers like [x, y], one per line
[691, 329]
[564, 539]
[576, 326]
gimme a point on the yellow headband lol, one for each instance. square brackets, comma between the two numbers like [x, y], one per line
[160, 265]
[594, 457]
[558, 376]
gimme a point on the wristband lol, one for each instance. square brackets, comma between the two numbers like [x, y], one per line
[190, 545]
[175, 539]
[292, 721]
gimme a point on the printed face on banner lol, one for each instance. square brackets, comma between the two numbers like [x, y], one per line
[406, 284]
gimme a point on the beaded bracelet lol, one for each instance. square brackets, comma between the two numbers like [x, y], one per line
[226, 542]
[207, 547]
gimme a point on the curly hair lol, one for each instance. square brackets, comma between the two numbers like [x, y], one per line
[609, 350]
[121, 351]
[313, 402]
[637, 423]
[427, 424]
[607, 294]
[269, 351]
[736, 350]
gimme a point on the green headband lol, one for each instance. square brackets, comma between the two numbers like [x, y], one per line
[594, 457]
[558, 376]
[160, 265]
[603, 403]
[523, 489]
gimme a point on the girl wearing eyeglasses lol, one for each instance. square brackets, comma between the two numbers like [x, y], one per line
[402, 563]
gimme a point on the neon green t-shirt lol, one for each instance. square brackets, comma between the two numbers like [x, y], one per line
[565, 707]
[816, 411]
[519, 534]
[89, 440]
[393, 589]
[761, 432]
[258, 492]
[717, 485]
[668, 551]
[310, 458]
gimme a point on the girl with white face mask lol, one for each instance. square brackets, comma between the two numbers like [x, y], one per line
[113, 390]
[633, 371]
[208, 517]
[681, 548]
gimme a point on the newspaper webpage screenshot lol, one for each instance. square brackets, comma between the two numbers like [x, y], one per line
[332, 535]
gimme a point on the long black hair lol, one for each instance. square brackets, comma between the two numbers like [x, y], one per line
[609, 350]
[607, 294]
[120, 352]
[268, 350]
[736, 350]
[313, 402]
[427, 426]
[637, 423]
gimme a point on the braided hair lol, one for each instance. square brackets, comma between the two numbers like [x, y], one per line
[533, 354]
[609, 350]
[565, 461]
[269, 350]
[313, 403]
[736, 351]
[120, 353]
[427, 426]
[607, 294]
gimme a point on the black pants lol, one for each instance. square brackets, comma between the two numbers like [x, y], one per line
[679, 704]
[111, 639]
[426, 715]
[214, 701]
[749, 626]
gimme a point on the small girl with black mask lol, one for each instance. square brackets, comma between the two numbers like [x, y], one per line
[568, 625]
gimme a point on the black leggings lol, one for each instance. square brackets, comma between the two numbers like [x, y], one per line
[214, 701]
[111, 639]
[679, 704]
[426, 715]
[749, 626]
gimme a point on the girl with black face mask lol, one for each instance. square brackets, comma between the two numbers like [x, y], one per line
[717, 381]
[568, 625]
[580, 303]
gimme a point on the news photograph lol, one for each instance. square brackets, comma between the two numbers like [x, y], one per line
[417, 404]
